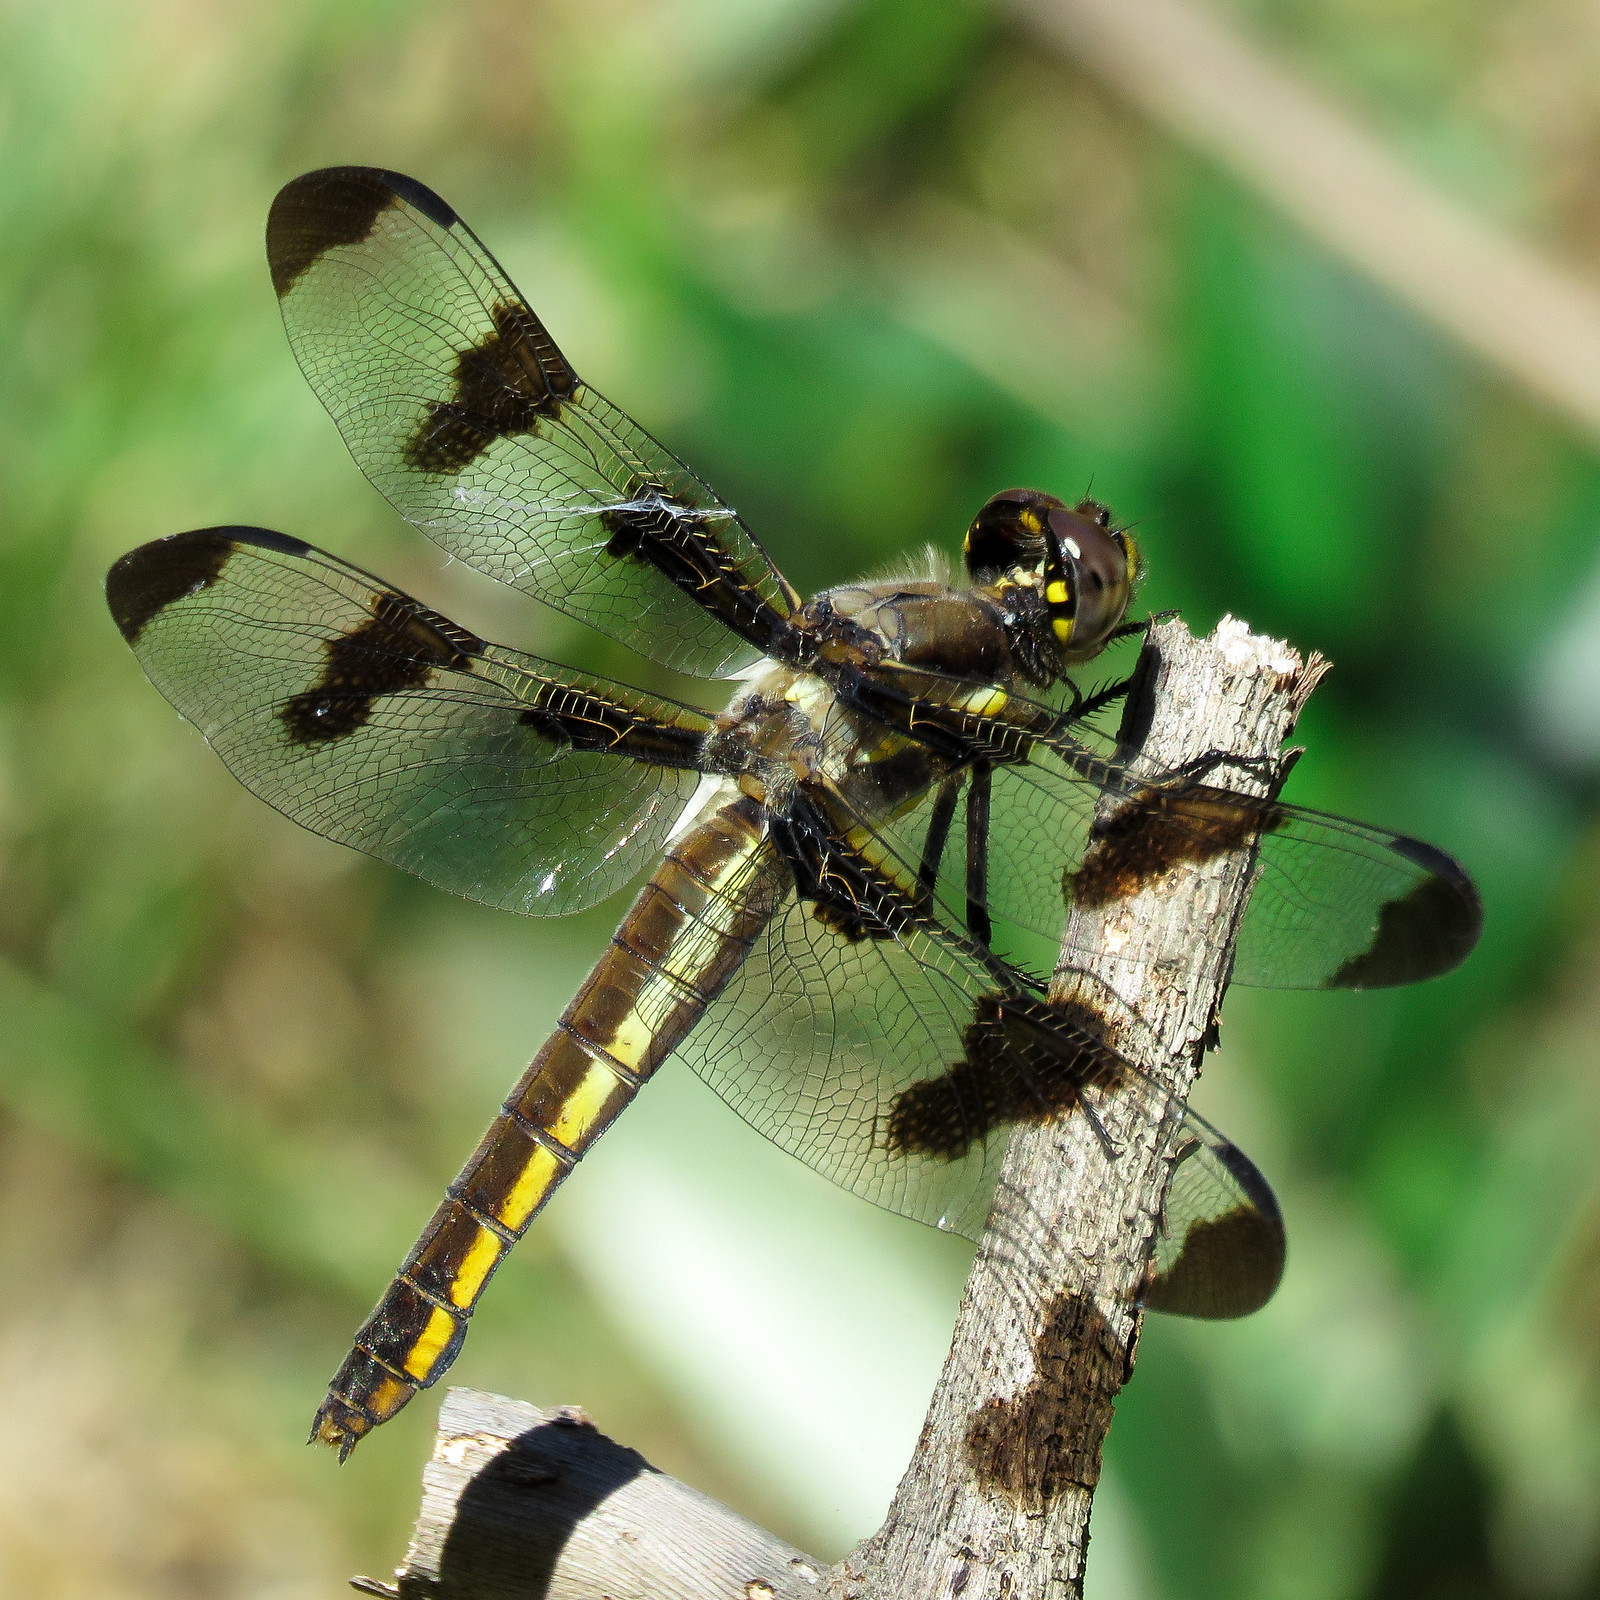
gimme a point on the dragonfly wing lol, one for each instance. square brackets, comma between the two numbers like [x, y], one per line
[1337, 904]
[897, 1068]
[458, 405]
[1222, 1248]
[370, 719]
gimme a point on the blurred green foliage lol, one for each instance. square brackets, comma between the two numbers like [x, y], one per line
[862, 262]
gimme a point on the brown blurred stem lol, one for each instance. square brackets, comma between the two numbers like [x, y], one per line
[1205, 82]
[996, 1501]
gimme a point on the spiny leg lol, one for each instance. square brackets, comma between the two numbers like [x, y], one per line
[1268, 769]
[1130, 630]
[978, 796]
[1085, 705]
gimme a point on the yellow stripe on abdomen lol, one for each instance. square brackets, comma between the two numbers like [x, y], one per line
[540, 1174]
[686, 934]
[482, 1257]
[429, 1345]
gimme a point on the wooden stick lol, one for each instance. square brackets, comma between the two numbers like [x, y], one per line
[520, 1504]
[996, 1501]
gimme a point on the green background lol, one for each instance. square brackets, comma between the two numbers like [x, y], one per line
[862, 264]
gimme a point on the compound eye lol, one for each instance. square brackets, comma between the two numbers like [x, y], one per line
[1008, 532]
[1089, 597]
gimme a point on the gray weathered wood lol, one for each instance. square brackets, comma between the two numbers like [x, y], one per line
[520, 1503]
[996, 1500]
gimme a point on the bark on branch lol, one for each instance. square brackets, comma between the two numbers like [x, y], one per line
[996, 1500]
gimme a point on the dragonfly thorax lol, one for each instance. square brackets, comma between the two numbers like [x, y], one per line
[794, 725]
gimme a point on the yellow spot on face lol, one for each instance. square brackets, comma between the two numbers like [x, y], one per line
[424, 1354]
[1062, 627]
[474, 1269]
[1056, 593]
[538, 1178]
[584, 1104]
[1030, 520]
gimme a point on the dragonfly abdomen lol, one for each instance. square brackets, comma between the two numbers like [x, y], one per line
[688, 932]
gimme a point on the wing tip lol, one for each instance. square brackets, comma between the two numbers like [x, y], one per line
[1426, 932]
[1228, 1264]
[318, 211]
[144, 582]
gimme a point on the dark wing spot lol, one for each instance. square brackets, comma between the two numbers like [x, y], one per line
[548, 725]
[503, 387]
[659, 528]
[630, 527]
[1429, 931]
[421, 197]
[1145, 840]
[149, 579]
[1228, 1265]
[321, 211]
[1030, 1448]
[266, 539]
[399, 647]
[1224, 1264]
[1025, 1062]
[588, 722]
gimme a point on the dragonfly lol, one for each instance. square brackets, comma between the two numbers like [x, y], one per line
[842, 867]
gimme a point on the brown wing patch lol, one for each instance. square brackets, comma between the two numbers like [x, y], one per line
[399, 647]
[1153, 836]
[1223, 1263]
[319, 212]
[503, 386]
[1426, 932]
[147, 580]
[568, 716]
[1024, 1062]
[337, 206]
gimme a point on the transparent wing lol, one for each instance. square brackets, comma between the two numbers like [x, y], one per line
[898, 1067]
[374, 721]
[813, 1042]
[1336, 903]
[459, 407]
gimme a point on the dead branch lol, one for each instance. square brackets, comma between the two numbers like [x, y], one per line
[519, 1503]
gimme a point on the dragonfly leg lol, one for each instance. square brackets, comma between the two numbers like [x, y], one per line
[1107, 1143]
[1269, 769]
[1088, 704]
[978, 796]
[938, 834]
[1130, 630]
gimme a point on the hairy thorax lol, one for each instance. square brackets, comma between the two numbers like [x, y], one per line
[788, 727]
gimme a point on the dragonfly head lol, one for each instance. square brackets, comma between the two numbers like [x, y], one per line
[1084, 565]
